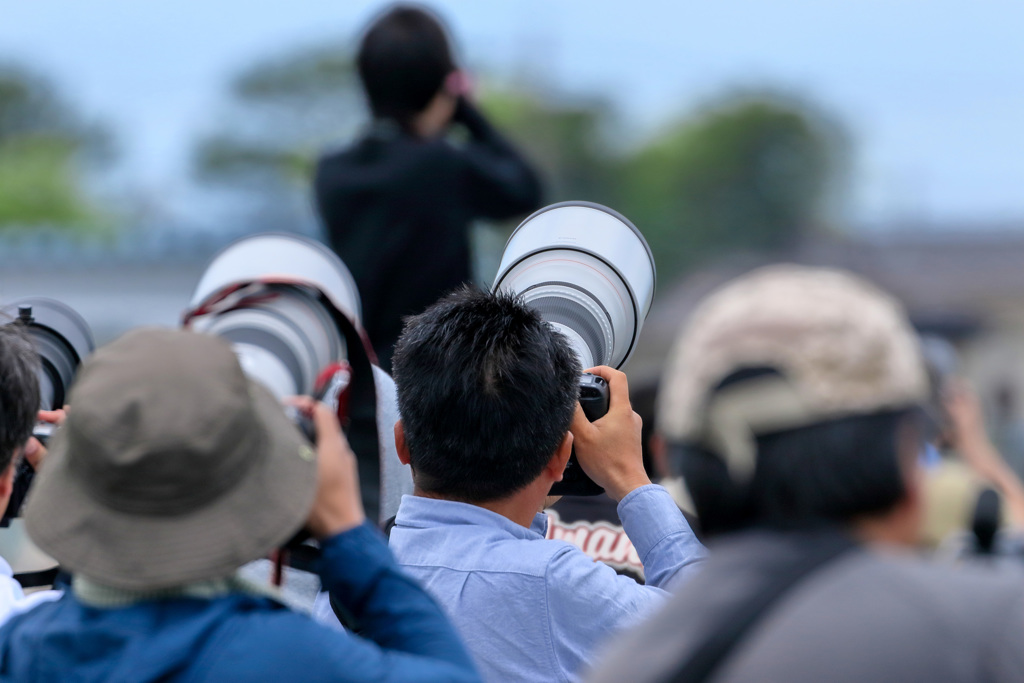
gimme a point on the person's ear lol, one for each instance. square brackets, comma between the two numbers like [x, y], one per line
[556, 465]
[400, 445]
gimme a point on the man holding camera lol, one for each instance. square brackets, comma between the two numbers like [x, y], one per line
[19, 403]
[171, 472]
[488, 397]
[792, 403]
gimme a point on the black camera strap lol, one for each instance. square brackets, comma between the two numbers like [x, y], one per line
[40, 579]
[783, 577]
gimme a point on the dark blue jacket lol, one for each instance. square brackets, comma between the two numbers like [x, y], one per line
[241, 637]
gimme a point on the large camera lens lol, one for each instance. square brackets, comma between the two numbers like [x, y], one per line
[589, 272]
[266, 295]
[282, 336]
[61, 337]
[290, 309]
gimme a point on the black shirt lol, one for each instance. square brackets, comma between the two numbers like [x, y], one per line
[397, 211]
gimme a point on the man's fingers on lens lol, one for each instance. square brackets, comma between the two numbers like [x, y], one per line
[304, 404]
[325, 420]
[34, 452]
[56, 417]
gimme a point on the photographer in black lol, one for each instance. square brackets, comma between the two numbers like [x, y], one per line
[792, 401]
[398, 204]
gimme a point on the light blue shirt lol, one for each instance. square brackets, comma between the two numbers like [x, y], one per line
[533, 609]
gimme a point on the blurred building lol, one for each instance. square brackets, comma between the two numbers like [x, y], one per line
[965, 286]
[137, 278]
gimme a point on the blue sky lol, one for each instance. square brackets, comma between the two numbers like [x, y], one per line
[932, 91]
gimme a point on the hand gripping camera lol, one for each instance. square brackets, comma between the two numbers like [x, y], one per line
[588, 272]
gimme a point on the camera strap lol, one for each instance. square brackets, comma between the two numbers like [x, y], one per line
[40, 579]
[783, 576]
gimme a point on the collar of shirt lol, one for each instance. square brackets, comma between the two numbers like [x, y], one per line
[420, 512]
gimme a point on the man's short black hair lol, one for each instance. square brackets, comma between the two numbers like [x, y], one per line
[403, 61]
[824, 474]
[486, 390]
[19, 390]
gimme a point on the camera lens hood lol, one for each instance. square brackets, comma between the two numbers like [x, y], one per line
[281, 257]
[588, 271]
[63, 340]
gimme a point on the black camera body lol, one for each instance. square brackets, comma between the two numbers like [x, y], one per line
[594, 399]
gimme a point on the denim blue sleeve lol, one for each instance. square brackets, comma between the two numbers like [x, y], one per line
[663, 539]
[587, 602]
[416, 641]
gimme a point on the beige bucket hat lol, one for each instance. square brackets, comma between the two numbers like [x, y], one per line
[171, 467]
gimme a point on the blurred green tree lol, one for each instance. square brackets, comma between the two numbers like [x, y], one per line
[565, 140]
[749, 173]
[43, 146]
[283, 111]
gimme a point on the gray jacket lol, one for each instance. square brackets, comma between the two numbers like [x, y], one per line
[867, 616]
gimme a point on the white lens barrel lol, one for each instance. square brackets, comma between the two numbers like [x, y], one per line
[283, 337]
[588, 271]
[578, 344]
[274, 256]
[282, 326]
[268, 369]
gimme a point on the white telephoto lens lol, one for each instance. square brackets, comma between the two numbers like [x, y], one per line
[281, 257]
[589, 272]
[270, 296]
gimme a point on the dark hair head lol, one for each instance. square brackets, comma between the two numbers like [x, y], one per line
[19, 390]
[486, 390]
[403, 62]
[828, 473]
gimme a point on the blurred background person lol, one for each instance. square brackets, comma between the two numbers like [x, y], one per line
[1009, 427]
[970, 464]
[793, 399]
[960, 459]
[397, 205]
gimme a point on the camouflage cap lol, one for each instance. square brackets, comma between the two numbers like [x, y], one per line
[840, 347]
